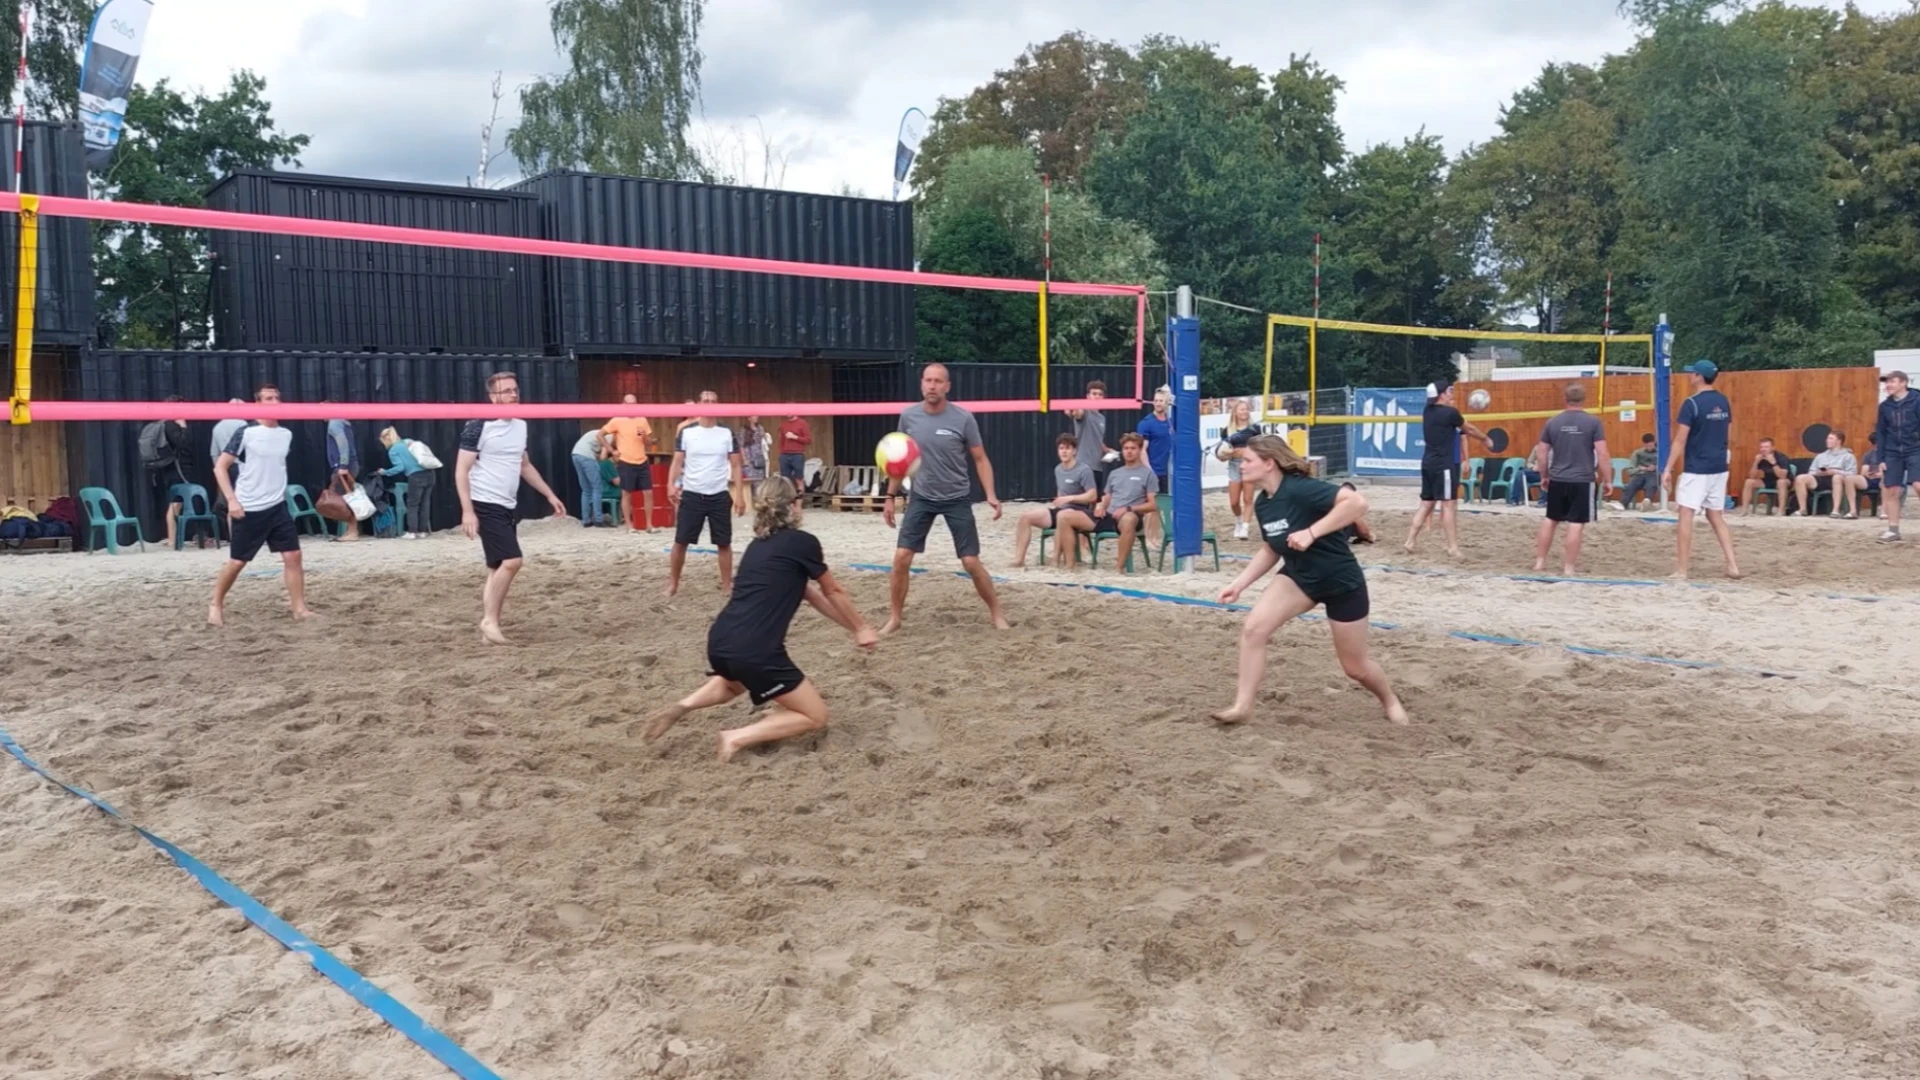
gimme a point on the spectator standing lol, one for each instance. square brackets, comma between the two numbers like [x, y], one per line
[1899, 431]
[1090, 428]
[1157, 428]
[589, 450]
[754, 444]
[1831, 471]
[420, 481]
[796, 438]
[166, 449]
[343, 466]
[630, 437]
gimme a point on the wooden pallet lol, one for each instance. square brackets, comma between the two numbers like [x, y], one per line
[46, 545]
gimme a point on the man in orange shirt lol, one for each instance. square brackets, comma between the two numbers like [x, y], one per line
[630, 436]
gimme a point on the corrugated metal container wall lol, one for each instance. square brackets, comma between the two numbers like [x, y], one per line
[601, 306]
[1020, 444]
[56, 165]
[112, 448]
[296, 292]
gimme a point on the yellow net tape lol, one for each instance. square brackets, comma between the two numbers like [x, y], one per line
[19, 406]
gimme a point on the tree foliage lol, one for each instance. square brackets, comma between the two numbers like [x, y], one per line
[152, 282]
[58, 35]
[628, 95]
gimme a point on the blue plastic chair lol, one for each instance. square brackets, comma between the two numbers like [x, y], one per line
[194, 506]
[1165, 502]
[103, 513]
[300, 505]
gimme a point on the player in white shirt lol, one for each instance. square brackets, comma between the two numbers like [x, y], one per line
[257, 508]
[493, 462]
[706, 490]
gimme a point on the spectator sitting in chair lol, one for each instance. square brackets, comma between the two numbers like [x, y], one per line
[1643, 475]
[1130, 498]
[1866, 482]
[1770, 470]
[1831, 472]
[1074, 496]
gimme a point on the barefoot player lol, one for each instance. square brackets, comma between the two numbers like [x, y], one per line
[1442, 425]
[1303, 520]
[493, 461]
[747, 644]
[947, 436]
[257, 507]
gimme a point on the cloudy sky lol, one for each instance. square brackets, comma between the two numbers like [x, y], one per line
[398, 89]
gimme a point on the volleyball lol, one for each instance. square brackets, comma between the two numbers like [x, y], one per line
[897, 455]
[1479, 400]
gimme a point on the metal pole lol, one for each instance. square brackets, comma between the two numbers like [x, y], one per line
[1663, 397]
[1183, 302]
[20, 113]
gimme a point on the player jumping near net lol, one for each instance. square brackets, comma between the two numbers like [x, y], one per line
[1440, 467]
[947, 436]
[1303, 520]
[747, 644]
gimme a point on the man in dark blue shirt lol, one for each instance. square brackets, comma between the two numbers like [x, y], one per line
[1899, 443]
[1157, 428]
[1700, 441]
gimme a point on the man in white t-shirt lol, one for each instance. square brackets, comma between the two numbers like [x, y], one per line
[257, 507]
[493, 461]
[703, 485]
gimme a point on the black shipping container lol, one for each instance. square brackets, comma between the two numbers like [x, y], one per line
[1020, 444]
[55, 165]
[599, 306]
[112, 453]
[297, 292]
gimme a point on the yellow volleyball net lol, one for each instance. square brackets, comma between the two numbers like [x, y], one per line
[1314, 327]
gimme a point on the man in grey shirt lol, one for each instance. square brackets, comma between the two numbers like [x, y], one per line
[947, 436]
[1129, 501]
[1090, 428]
[1830, 472]
[1572, 455]
[1074, 496]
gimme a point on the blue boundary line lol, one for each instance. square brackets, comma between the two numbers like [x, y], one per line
[383, 1005]
[1464, 635]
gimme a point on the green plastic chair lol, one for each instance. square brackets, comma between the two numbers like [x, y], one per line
[1471, 478]
[1165, 502]
[103, 513]
[1774, 492]
[300, 505]
[613, 501]
[195, 506]
[1046, 535]
[1620, 467]
[1139, 547]
[1512, 471]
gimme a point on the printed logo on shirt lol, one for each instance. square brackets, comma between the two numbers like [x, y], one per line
[1275, 528]
[946, 432]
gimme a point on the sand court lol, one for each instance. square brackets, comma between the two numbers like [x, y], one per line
[1011, 855]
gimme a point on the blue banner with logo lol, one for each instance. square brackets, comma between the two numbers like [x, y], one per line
[106, 75]
[1387, 449]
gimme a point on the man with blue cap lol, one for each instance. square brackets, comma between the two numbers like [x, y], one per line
[1700, 442]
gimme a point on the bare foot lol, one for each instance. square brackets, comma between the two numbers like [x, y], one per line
[215, 616]
[1734, 573]
[1408, 548]
[893, 624]
[659, 722]
[1453, 553]
[673, 588]
[1539, 566]
[1569, 571]
[1677, 576]
[491, 631]
[304, 614]
[728, 746]
[1232, 716]
[1397, 713]
[1000, 623]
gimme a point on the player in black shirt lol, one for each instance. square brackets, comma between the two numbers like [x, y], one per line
[747, 644]
[1440, 467]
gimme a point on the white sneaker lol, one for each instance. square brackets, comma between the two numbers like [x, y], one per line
[1891, 536]
[1240, 531]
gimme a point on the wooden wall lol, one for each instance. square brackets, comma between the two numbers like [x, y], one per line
[1780, 405]
[33, 457]
[672, 381]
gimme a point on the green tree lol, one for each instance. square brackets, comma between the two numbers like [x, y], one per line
[1731, 164]
[151, 281]
[1200, 173]
[1408, 258]
[1057, 101]
[970, 325]
[59, 39]
[1001, 186]
[1300, 108]
[625, 102]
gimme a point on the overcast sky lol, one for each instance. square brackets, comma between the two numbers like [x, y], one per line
[398, 89]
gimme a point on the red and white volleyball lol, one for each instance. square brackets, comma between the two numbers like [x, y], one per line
[897, 455]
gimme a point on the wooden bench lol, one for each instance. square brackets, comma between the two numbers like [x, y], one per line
[871, 482]
[46, 545]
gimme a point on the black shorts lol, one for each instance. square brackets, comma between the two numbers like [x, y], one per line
[1439, 483]
[1054, 512]
[499, 536]
[1823, 483]
[1345, 607]
[1166, 482]
[765, 678]
[917, 522]
[634, 477]
[271, 528]
[1570, 502]
[715, 512]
